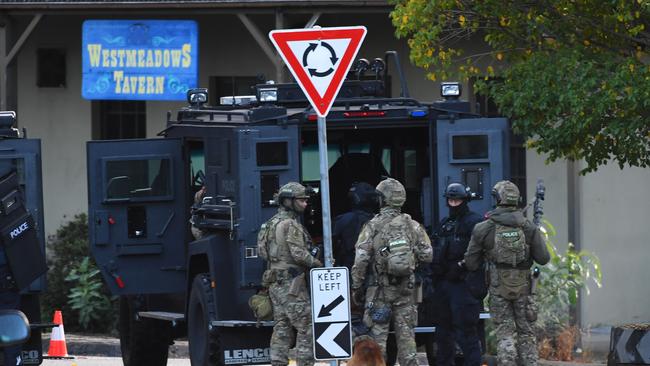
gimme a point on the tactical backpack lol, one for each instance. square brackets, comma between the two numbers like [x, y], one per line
[398, 257]
[510, 251]
[510, 246]
[267, 232]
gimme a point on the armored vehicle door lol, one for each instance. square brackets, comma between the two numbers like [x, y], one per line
[474, 152]
[23, 156]
[137, 214]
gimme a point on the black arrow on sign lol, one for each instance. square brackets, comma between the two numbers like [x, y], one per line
[326, 310]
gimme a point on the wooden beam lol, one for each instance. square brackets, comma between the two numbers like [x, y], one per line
[21, 40]
[259, 37]
[313, 20]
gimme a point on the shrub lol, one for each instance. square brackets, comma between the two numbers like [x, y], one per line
[559, 286]
[66, 251]
[86, 296]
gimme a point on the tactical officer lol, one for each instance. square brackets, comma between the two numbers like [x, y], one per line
[510, 244]
[198, 199]
[456, 308]
[389, 248]
[363, 202]
[284, 242]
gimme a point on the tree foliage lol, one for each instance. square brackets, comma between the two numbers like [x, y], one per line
[573, 75]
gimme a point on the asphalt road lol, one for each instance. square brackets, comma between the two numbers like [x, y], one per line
[105, 361]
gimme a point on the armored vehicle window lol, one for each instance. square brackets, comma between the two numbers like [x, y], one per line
[469, 147]
[142, 180]
[272, 153]
[310, 163]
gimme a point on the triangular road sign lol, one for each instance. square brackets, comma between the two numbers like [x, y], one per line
[319, 59]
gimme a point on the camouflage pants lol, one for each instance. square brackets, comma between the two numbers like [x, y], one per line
[292, 315]
[515, 322]
[404, 317]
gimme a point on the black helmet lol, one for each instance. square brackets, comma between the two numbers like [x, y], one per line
[457, 191]
[362, 194]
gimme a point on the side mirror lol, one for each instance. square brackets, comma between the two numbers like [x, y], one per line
[14, 328]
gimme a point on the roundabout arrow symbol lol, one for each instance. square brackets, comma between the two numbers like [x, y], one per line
[313, 71]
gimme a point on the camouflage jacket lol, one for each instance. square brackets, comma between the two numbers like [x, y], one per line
[292, 242]
[366, 250]
[482, 240]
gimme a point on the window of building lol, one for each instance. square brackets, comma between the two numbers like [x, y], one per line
[223, 86]
[119, 119]
[50, 68]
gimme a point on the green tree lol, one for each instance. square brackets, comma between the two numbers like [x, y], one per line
[573, 75]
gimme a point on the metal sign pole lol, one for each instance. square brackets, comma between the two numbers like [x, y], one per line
[325, 190]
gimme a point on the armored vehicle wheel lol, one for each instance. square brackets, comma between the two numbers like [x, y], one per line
[203, 338]
[142, 341]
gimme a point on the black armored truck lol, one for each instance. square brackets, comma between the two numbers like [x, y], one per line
[22, 243]
[142, 198]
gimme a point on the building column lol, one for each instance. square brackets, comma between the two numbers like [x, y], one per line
[7, 58]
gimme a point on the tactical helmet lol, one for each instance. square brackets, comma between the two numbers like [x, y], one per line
[506, 193]
[292, 190]
[392, 191]
[456, 191]
[362, 194]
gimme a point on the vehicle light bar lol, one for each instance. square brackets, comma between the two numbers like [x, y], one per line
[419, 113]
[363, 114]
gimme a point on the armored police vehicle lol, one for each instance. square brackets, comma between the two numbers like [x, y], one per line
[22, 244]
[141, 194]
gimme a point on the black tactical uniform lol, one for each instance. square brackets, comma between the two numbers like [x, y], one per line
[458, 297]
[363, 204]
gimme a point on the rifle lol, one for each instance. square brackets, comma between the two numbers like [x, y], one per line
[538, 212]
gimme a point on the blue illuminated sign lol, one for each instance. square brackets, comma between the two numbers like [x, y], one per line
[139, 59]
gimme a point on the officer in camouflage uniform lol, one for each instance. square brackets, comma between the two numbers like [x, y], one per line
[284, 242]
[387, 252]
[510, 244]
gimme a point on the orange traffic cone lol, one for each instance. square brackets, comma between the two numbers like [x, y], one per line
[58, 349]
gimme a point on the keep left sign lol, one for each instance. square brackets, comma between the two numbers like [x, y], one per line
[330, 301]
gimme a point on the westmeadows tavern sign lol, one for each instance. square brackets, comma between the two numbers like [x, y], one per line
[139, 59]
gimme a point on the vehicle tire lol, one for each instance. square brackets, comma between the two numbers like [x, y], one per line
[142, 341]
[204, 345]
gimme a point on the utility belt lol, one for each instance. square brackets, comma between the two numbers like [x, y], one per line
[524, 266]
[279, 275]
